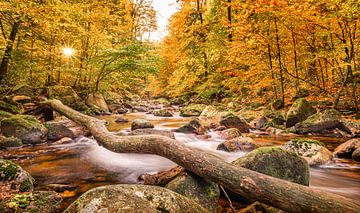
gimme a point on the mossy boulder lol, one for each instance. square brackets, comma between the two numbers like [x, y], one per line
[112, 97]
[276, 162]
[210, 115]
[313, 151]
[345, 150]
[232, 121]
[66, 94]
[192, 110]
[25, 127]
[57, 130]
[96, 100]
[197, 189]
[163, 113]
[7, 107]
[298, 112]
[24, 89]
[141, 124]
[229, 134]
[166, 133]
[319, 122]
[14, 178]
[133, 199]
[275, 118]
[194, 126]
[277, 104]
[244, 144]
[10, 142]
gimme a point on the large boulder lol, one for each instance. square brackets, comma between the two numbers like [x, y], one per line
[66, 94]
[197, 189]
[244, 144]
[163, 113]
[276, 162]
[57, 131]
[192, 110]
[229, 134]
[25, 127]
[153, 132]
[14, 178]
[345, 150]
[194, 126]
[313, 151]
[210, 116]
[133, 199]
[141, 124]
[10, 142]
[298, 112]
[319, 122]
[97, 100]
[232, 121]
[356, 155]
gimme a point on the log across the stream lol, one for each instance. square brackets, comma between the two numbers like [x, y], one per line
[281, 194]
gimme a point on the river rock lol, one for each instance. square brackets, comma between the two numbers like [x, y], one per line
[276, 162]
[10, 142]
[232, 121]
[117, 109]
[153, 132]
[197, 189]
[14, 178]
[97, 100]
[194, 126]
[23, 99]
[57, 130]
[141, 124]
[66, 94]
[356, 155]
[121, 120]
[244, 144]
[163, 113]
[25, 127]
[298, 112]
[345, 150]
[313, 151]
[350, 127]
[319, 122]
[211, 116]
[192, 110]
[134, 199]
[229, 134]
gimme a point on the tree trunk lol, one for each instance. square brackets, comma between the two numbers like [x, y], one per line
[280, 63]
[250, 184]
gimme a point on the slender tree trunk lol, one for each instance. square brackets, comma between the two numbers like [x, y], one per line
[295, 59]
[229, 16]
[280, 63]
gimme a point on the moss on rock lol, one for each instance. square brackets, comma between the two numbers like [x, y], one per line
[298, 112]
[192, 110]
[9, 107]
[16, 177]
[9, 142]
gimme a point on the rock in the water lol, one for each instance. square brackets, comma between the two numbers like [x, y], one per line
[261, 122]
[194, 126]
[153, 132]
[345, 150]
[10, 142]
[121, 120]
[197, 189]
[232, 121]
[313, 151]
[25, 127]
[13, 177]
[192, 110]
[229, 134]
[277, 104]
[298, 112]
[97, 100]
[276, 162]
[118, 109]
[7, 107]
[63, 141]
[133, 199]
[140, 109]
[23, 99]
[66, 94]
[163, 113]
[356, 155]
[350, 127]
[57, 130]
[141, 124]
[244, 144]
[326, 120]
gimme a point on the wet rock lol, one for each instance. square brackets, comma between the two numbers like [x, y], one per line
[232, 121]
[244, 144]
[274, 117]
[141, 124]
[276, 162]
[153, 132]
[313, 151]
[121, 120]
[63, 141]
[25, 127]
[192, 110]
[118, 109]
[140, 109]
[7, 107]
[356, 155]
[197, 189]
[14, 178]
[134, 199]
[298, 112]
[194, 126]
[23, 99]
[345, 150]
[60, 187]
[229, 134]
[97, 100]
[210, 115]
[163, 113]
[350, 127]
[279, 132]
[277, 104]
[66, 94]
[57, 130]
[319, 122]
[10, 142]
[260, 123]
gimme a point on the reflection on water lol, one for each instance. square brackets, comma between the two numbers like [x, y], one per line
[87, 165]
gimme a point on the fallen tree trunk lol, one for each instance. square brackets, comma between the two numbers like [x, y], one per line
[281, 194]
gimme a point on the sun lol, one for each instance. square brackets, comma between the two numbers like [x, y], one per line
[68, 51]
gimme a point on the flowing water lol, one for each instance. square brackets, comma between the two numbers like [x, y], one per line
[86, 165]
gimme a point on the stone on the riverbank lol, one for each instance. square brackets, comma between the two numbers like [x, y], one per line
[118, 109]
[232, 121]
[345, 150]
[163, 113]
[65, 94]
[153, 132]
[194, 126]
[276, 162]
[319, 122]
[298, 112]
[134, 199]
[192, 110]
[141, 124]
[229, 134]
[57, 130]
[121, 120]
[10, 142]
[244, 144]
[313, 151]
[97, 100]
[25, 127]
[14, 178]
[197, 189]
[356, 155]
[351, 127]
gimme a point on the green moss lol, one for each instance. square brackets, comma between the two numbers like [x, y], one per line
[25, 121]
[192, 110]
[8, 170]
[4, 114]
[20, 201]
[9, 107]
[27, 185]
[10, 142]
[299, 141]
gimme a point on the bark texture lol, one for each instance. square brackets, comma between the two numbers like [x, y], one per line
[281, 194]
